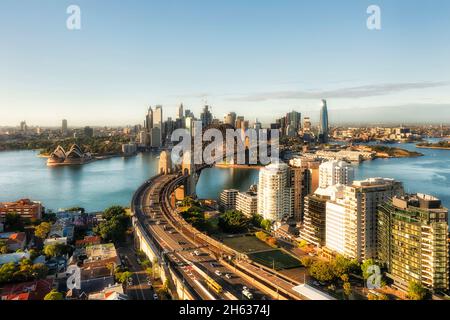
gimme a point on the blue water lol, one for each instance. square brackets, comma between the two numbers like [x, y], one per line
[100, 184]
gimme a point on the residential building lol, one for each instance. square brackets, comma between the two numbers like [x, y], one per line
[335, 172]
[14, 240]
[413, 241]
[35, 290]
[227, 199]
[356, 212]
[315, 218]
[247, 203]
[25, 208]
[275, 195]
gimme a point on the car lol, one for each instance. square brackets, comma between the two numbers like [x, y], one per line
[311, 254]
[155, 296]
[228, 276]
[218, 273]
[197, 253]
[247, 294]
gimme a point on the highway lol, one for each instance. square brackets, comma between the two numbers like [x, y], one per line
[178, 249]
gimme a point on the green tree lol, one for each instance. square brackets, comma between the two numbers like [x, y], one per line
[365, 266]
[115, 226]
[266, 224]
[342, 265]
[54, 295]
[347, 288]
[322, 271]
[3, 248]
[307, 261]
[56, 250]
[233, 221]
[416, 291]
[7, 272]
[42, 230]
[39, 271]
[122, 277]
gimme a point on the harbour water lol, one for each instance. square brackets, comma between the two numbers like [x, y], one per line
[103, 183]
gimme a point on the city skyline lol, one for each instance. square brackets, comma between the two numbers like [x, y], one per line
[227, 54]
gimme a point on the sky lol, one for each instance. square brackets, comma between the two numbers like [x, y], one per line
[259, 59]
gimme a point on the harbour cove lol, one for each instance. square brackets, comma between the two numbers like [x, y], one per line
[98, 185]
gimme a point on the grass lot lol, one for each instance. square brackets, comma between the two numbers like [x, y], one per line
[246, 244]
[277, 257]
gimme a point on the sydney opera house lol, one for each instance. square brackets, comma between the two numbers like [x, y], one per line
[75, 156]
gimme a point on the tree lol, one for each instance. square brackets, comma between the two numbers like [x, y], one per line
[416, 291]
[266, 224]
[3, 248]
[233, 221]
[347, 288]
[54, 295]
[322, 271]
[307, 261]
[39, 271]
[342, 265]
[42, 230]
[7, 272]
[115, 226]
[56, 250]
[365, 266]
[122, 277]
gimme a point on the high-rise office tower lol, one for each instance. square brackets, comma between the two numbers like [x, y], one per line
[64, 127]
[412, 233]
[294, 119]
[324, 126]
[158, 123]
[206, 117]
[239, 122]
[275, 196]
[335, 172]
[351, 220]
[149, 120]
[230, 119]
[180, 111]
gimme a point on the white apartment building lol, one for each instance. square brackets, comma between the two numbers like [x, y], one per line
[247, 203]
[335, 172]
[275, 196]
[227, 200]
[351, 219]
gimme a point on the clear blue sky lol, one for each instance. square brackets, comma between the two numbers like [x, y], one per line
[258, 58]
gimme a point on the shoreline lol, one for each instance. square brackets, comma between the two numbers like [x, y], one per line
[432, 147]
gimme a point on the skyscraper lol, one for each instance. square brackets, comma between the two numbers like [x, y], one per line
[412, 241]
[64, 127]
[206, 116]
[275, 196]
[149, 120]
[324, 126]
[158, 123]
[230, 119]
[180, 111]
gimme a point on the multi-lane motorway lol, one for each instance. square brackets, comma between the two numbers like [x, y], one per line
[193, 261]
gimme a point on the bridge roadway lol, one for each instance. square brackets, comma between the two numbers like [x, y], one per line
[178, 249]
[179, 240]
